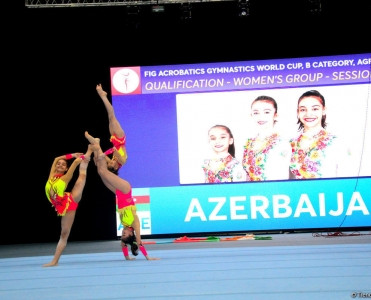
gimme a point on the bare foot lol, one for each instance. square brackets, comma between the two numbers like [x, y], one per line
[91, 139]
[100, 91]
[51, 264]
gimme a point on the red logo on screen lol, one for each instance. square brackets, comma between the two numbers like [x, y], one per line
[125, 81]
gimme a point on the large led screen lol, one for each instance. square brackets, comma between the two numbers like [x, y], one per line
[281, 144]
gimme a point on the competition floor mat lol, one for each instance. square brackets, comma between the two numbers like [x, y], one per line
[294, 266]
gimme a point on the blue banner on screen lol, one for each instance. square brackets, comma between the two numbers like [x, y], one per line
[264, 206]
[246, 146]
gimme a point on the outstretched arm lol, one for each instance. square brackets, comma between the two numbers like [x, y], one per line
[66, 157]
[68, 176]
[125, 251]
[144, 252]
[136, 226]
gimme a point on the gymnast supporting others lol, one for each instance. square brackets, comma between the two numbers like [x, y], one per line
[66, 203]
[125, 203]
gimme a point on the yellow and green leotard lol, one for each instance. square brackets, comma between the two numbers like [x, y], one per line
[61, 200]
[126, 208]
[119, 144]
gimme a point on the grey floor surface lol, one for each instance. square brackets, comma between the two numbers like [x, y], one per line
[289, 266]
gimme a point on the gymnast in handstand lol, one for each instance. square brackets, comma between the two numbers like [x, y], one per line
[125, 203]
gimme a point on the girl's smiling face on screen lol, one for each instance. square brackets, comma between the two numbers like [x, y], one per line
[310, 112]
[263, 113]
[219, 140]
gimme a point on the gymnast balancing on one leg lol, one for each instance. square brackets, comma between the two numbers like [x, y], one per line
[66, 203]
[118, 137]
[125, 203]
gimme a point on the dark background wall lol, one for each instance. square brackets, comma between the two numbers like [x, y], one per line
[57, 56]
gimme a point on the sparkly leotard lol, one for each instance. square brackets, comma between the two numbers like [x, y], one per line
[125, 206]
[119, 144]
[55, 192]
